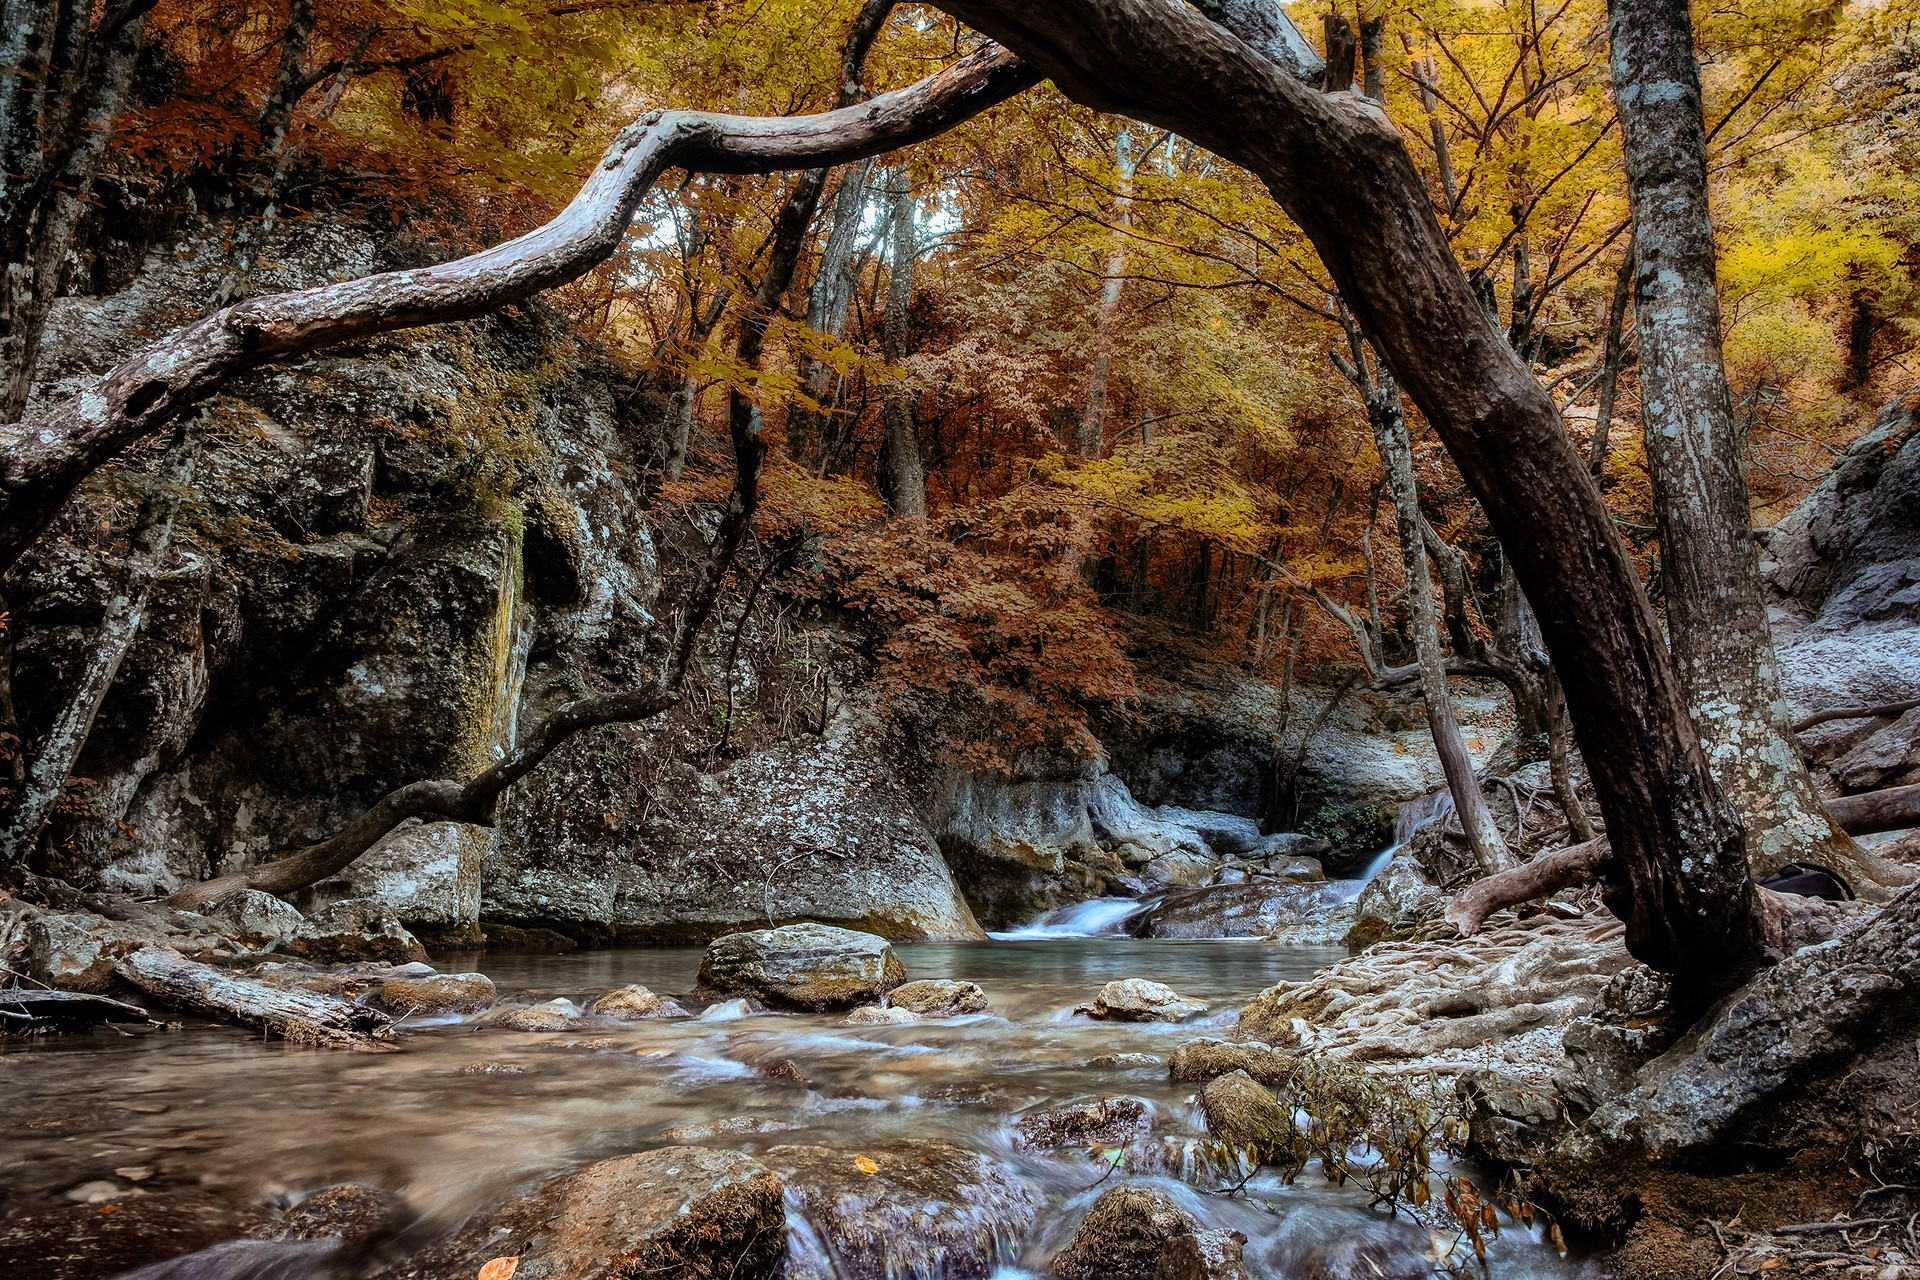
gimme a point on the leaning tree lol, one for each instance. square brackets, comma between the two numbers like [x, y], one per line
[1233, 76]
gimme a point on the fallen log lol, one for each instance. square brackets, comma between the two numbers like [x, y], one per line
[301, 1017]
[1855, 713]
[1894, 809]
[33, 1009]
[1547, 874]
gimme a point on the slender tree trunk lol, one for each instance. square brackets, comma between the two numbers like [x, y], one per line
[827, 306]
[40, 216]
[1396, 456]
[901, 467]
[1612, 360]
[1093, 420]
[1716, 613]
[1560, 770]
[126, 609]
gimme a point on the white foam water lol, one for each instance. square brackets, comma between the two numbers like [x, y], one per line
[1094, 918]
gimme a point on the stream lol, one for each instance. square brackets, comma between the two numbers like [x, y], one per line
[216, 1109]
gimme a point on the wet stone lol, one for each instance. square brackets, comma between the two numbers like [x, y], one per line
[1198, 1061]
[809, 967]
[1122, 1236]
[435, 996]
[1102, 1122]
[939, 998]
[633, 1003]
[909, 1207]
[1203, 1255]
[1139, 1000]
[550, 1015]
[1241, 1112]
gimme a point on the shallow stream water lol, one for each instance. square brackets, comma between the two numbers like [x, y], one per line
[218, 1109]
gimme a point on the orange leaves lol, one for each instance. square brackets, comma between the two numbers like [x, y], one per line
[500, 1269]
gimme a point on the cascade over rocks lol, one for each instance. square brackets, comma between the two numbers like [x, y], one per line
[927, 1207]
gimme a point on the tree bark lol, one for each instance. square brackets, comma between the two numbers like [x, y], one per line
[902, 470]
[41, 466]
[1093, 420]
[302, 1017]
[126, 609]
[1559, 768]
[1396, 456]
[1546, 875]
[827, 305]
[1612, 360]
[1716, 612]
[58, 114]
[1339, 168]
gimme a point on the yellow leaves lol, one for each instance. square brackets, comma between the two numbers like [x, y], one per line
[500, 1269]
[865, 1164]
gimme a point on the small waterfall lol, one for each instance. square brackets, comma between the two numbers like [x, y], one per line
[1413, 816]
[1096, 917]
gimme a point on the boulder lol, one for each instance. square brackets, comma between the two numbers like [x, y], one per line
[1510, 1123]
[1203, 1255]
[258, 919]
[86, 1242]
[810, 967]
[427, 874]
[1241, 1112]
[345, 981]
[873, 1015]
[1395, 904]
[354, 929]
[1180, 869]
[1107, 1122]
[1198, 1061]
[633, 1003]
[75, 952]
[1122, 1236]
[909, 1207]
[690, 1213]
[1287, 846]
[1139, 1000]
[434, 997]
[1293, 914]
[352, 1214]
[551, 1015]
[939, 998]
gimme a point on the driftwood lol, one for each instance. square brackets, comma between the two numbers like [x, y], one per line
[34, 1009]
[298, 1016]
[1854, 713]
[1547, 874]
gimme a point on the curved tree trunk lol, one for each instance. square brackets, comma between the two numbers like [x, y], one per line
[1716, 614]
[1336, 164]
[41, 465]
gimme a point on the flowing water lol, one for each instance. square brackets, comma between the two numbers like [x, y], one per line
[220, 1110]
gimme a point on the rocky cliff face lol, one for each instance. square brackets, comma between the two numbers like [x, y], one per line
[399, 555]
[1844, 570]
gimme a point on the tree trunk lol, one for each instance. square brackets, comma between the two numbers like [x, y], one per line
[126, 610]
[45, 200]
[1396, 456]
[1558, 767]
[1612, 360]
[41, 467]
[302, 1017]
[1093, 420]
[1679, 877]
[827, 305]
[903, 474]
[1716, 613]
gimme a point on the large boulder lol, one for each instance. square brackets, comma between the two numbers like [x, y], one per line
[436, 996]
[258, 919]
[686, 1212]
[1180, 869]
[354, 929]
[633, 1003]
[812, 828]
[1122, 1236]
[1396, 904]
[426, 873]
[909, 1207]
[810, 967]
[1141, 1000]
[1291, 914]
[1103, 1122]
